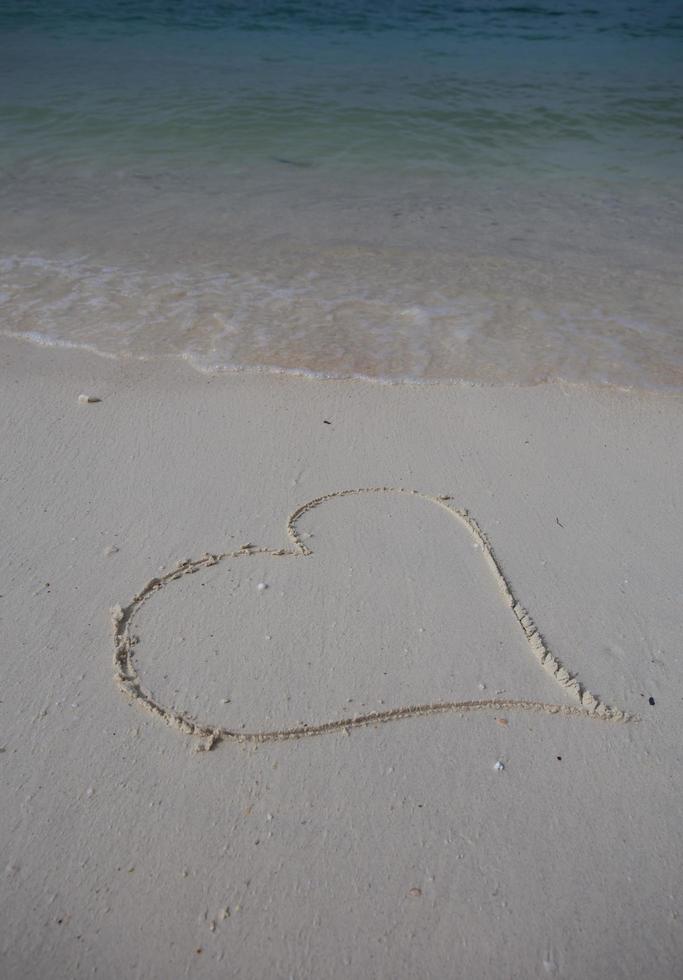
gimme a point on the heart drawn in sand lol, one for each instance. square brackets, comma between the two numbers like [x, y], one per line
[585, 703]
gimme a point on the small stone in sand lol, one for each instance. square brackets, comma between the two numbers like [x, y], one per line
[499, 766]
[262, 586]
[111, 549]
[88, 399]
[415, 892]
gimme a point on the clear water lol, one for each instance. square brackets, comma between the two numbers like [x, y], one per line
[424, 191]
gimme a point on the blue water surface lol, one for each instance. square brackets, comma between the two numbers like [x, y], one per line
[553, 87]
[420, 190]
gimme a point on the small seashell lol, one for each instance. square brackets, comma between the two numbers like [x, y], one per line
[88, 399]
[499, 766]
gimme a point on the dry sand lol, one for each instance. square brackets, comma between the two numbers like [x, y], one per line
[396, 849]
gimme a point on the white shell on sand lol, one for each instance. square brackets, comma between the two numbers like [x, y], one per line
[88, 399]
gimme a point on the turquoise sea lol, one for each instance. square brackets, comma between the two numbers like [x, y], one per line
[487, 191]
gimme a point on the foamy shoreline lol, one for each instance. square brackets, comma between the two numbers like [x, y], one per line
[385, 851]
[404, 279]
[662, 383]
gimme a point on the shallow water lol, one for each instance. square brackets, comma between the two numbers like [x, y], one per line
[424, 191]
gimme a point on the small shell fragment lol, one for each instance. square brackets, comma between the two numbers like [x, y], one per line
[499, 766]
[88, 399]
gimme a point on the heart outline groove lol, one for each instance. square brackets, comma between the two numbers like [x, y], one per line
[587, 704]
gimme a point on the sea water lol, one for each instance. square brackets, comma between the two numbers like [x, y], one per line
[402, 190]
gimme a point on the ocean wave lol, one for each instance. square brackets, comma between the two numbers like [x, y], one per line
[369, 326]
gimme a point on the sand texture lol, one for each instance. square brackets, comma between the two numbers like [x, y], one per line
[471, 597]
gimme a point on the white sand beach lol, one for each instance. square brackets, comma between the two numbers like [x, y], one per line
[395, 849]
